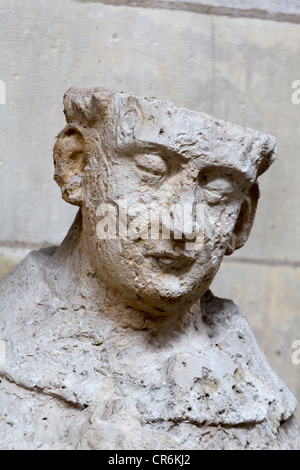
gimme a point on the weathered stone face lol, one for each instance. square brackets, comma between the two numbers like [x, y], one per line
[144, 157]
[104, 342]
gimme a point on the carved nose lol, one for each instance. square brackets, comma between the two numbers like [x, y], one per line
[181, 237]
[182, 223]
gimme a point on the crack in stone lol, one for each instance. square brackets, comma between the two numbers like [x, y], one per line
[36, 388]
[200, 424]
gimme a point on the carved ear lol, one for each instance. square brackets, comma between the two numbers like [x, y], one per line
[70, 162]
[244, 221]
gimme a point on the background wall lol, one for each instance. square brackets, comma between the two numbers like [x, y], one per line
[234, 59]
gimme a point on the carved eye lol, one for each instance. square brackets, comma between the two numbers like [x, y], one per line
[152, 163]
[216, 184]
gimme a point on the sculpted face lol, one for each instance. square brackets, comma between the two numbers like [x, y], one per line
[165, 193]
[162, 272]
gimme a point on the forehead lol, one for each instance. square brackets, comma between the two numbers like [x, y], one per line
[141, 123]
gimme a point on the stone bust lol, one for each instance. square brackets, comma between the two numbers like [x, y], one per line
[113, 340]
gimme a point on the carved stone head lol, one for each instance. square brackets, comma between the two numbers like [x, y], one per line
[164, 192]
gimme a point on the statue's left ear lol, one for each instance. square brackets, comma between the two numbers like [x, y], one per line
[70, 162]
[244, 221]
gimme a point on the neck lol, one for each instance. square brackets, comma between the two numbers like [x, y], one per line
[77, 277]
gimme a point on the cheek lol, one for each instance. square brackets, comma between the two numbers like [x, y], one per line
[219, 223]
[114, 264]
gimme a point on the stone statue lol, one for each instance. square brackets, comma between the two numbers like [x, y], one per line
[113, 340]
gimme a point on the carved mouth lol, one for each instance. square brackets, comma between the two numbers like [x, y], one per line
[172, 260]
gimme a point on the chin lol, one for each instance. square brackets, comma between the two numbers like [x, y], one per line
[159, 308]
[166, 301]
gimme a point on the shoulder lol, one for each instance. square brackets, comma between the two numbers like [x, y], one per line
[22, 294]
[231, 333]
[25, 282]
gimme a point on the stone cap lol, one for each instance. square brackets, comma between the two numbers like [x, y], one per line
[129, 121]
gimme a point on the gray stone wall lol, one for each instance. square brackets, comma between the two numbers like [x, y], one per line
[236, 60]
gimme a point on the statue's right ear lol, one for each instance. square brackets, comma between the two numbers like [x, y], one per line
[70, 161]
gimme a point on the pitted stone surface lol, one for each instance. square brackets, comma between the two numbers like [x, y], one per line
[118, 343]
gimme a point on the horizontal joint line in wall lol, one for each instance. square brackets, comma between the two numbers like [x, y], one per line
[265, 262]
[205, 9]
